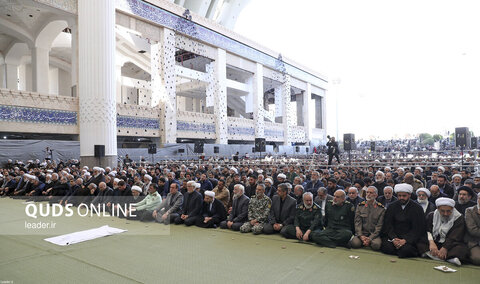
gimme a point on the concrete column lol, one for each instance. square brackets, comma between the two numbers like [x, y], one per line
[118, 82]
[96, 81]
[3, 83]
[258, 110]
[308, 112]
[287, 119]
[53, 81]
[22, 77]
[11, 71]
[188, 104]
[220, 104]
[40, 69]
[163, 84]
[74, 62]
[278, 102]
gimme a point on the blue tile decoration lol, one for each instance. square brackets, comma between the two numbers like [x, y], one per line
[273, 133]
[37, 115]
[137, 122]
[241, 131]
[193, 126]
[194, 30]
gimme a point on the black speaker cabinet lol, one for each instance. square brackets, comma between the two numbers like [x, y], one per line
[474, 143]
[307, 149]
[152, 148]
[216, 149]
[349, 142]
[181, 150]
[462, 137]
[198, 147]
[297, 149]
[259, 145]
[99, 151]
[372, 146]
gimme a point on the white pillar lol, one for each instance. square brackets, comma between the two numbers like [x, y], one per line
[40, 69]
[258, 110]
[96, 81]
[163, 84]
[74, 61]
[11, 76]
[53, 81]
[308, 112]
[22, 77]
[118, 82]
[287, 119]
[3, 82]
[220, 104]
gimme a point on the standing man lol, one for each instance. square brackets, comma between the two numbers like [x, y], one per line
[332, 150]
[404, 224]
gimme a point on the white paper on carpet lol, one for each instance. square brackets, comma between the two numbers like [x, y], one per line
[77, 237]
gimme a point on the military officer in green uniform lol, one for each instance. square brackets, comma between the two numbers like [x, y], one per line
[339, 215]
[308, 219]
[258, 211]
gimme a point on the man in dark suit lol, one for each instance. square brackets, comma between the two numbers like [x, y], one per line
[192, 206]
[213, 211]
[282, 212]
[387, 198]
[322, 198]
[98, 176]
[239, 211]
[444, 186]
[171, 206]
[314, 184]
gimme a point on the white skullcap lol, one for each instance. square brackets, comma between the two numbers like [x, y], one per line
[388, 168]
[149, 177]
[234, 169]
[269, 180]
[96, 168]
[116, 180]
[85, 168]
[260, 171]
[108, 168]
[456, 175]
[112, 173]
[197, 185]
[441, 168]
[87, 174]
[403, 187]
[402, 169]
[282, 176]
[102, 170]
[210, 193]
[445, 201]
[420, 169]
[427, 192]
[49, 171]
[48, 175]
[137, 188]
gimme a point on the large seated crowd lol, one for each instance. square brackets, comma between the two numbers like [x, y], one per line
[415, 211]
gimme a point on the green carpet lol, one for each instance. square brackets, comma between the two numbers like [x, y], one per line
[153, 253]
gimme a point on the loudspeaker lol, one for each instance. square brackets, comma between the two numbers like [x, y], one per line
[181, 150]
[372, 146]
[307, 150]
[297, 149]
[259, 145]
[198, 148]
[216, 149]
[349, 142]
[462, 137]
[474, 143]
[253, 149]
[99, 151]
[152, 148]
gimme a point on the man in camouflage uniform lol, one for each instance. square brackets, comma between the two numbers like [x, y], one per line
[339, 215]
[308, 219]
[258, 211]
[368, 221]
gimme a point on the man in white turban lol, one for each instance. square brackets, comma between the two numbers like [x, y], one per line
[445, 233]
[404, 224]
